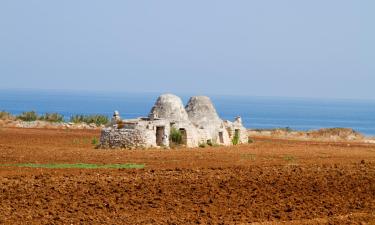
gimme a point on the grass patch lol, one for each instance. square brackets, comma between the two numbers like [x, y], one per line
[94, 141]
[85, 141]
[77, 166]
[289, 158]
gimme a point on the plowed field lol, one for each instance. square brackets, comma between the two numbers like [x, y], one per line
[267, 182]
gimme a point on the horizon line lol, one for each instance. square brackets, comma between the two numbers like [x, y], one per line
[184, 94]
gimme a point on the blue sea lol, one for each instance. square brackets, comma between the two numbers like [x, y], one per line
[257, 112]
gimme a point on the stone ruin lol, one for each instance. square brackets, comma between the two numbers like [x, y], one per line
[198, 123]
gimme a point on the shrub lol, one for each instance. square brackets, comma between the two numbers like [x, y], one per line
[236, 139]
[249, 140]
[5, 115]
[52, 117]
[77, 119]
[28, 116]
[97, 119]
[176, 136]
[287, 129]
[94, 141]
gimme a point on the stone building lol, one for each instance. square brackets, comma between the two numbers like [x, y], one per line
[198, 123]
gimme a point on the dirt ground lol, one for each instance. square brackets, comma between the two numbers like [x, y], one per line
[267, 182]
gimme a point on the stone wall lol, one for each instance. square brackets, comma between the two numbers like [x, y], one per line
[199, 123]
[143, 135]
[122, 138]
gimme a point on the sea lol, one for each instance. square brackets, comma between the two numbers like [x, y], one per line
[256, 112]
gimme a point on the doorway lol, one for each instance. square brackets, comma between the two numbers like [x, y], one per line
[160, 131]
[221, 137]
[183, 136]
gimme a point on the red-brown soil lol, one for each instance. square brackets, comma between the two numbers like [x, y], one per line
[267, 182]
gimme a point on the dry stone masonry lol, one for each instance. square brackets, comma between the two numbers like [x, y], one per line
[198, 123]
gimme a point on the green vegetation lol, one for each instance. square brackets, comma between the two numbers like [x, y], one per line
[94, 141]
[5, 115]
[286, 129]
[33, 116]
[56, 117]
[86, 141]
[52, 117]
[97, 119]
[249, 140]
[236, 139]
[289, 158]
[28, 116]
[77, 166]
[176, 136]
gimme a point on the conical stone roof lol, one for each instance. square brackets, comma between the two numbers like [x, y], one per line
[201, 111]
[169, 106]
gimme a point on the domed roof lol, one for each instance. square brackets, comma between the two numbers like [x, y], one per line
[169, 106]
[201, 110]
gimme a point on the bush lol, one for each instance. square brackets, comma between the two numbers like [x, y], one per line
[176, 136]
[52, 117]
[249, 140]
[94, 141]
[97, 119]
[287, 129]
[5, 115]
[28, 116]
[77, 119]
[236, 139]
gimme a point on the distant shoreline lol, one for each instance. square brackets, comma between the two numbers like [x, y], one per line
[257, 112]
[323, 134]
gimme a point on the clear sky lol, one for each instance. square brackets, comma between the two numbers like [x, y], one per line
[315, 48]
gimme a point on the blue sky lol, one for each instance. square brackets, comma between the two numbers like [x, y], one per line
[292, 48]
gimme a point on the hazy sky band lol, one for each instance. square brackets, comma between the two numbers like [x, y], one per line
[265, 48]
